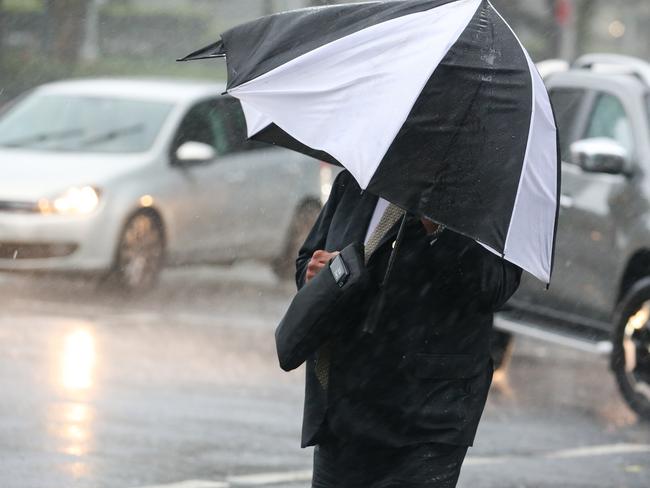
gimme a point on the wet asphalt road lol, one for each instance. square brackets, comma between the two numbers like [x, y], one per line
[100, 391]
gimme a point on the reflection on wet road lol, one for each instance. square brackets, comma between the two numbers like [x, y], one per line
[183, 384]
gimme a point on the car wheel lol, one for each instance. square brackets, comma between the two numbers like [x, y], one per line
[631, 348]
[284, 266]
[140, 253]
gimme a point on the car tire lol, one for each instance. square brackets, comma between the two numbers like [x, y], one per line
[630, 360]
[140, 254]
[284, 266]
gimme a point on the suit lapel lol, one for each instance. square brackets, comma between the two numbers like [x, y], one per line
[357, 226]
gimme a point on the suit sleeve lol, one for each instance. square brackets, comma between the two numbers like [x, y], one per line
[493, 279]
[318, 235]
[501, 282]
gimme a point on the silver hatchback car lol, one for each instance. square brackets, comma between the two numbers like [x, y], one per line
[118, 177]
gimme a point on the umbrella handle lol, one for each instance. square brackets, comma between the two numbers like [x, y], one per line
[370, 326]
[393, 254]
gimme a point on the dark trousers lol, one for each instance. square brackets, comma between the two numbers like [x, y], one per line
[355, 466]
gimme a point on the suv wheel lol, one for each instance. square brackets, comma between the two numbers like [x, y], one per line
[631, 348]
[139, 254]
[284, 266]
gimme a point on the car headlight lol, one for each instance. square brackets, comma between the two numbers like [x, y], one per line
[78, 200]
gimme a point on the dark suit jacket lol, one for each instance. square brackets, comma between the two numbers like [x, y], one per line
[424, 374]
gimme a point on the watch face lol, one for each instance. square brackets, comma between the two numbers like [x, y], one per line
[339, 270]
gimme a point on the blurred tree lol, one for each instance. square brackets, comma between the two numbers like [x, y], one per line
[90, 44]
[65, 28]
[586, 11]
[536, 21]
[559, 14]
[2, 35]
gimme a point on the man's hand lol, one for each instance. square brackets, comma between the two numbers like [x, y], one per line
[429, 226]
[317, 262]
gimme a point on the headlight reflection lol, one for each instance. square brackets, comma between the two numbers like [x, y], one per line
[78, 360]
[70, 421]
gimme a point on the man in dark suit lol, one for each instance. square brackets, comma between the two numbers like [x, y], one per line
[398, 407]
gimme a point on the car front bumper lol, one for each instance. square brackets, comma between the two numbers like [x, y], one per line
[37, 242]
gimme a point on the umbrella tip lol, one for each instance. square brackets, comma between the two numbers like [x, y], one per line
[214, 50]
[193, 57]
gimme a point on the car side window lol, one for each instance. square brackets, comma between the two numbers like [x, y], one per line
[218, 122]
[235, 122]
[197, 126]
[609, 119]
[566, 104]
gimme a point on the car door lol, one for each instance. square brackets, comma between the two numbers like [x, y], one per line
[585, 273]
[205, 210]
[264, 184]
[571, 112]
[584, 268]
[237, 205]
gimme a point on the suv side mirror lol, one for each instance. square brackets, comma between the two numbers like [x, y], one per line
[194, 153]
[600, 155]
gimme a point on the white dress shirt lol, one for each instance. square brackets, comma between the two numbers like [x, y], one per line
[380, 208]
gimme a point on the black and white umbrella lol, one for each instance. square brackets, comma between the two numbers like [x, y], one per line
[432, 104]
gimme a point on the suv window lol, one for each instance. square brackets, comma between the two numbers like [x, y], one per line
[609, 119]
[219, 122]
[566, 104]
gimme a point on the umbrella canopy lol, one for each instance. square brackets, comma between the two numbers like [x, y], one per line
[432, 104]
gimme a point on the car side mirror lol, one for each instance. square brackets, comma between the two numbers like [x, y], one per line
[601, 155]
[194, 153]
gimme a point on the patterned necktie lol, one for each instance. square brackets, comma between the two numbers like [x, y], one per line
[389, 218]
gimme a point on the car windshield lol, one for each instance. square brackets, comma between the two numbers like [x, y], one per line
[73, 123]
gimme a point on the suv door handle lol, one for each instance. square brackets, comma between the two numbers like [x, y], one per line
[566, 201]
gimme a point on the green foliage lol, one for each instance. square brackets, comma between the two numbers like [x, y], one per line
[23, 5]
[23, 73]
[20, 74]
[211, 70]
[129, 10]
[25, 67]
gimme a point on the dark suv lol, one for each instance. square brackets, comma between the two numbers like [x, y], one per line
[600, 289]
